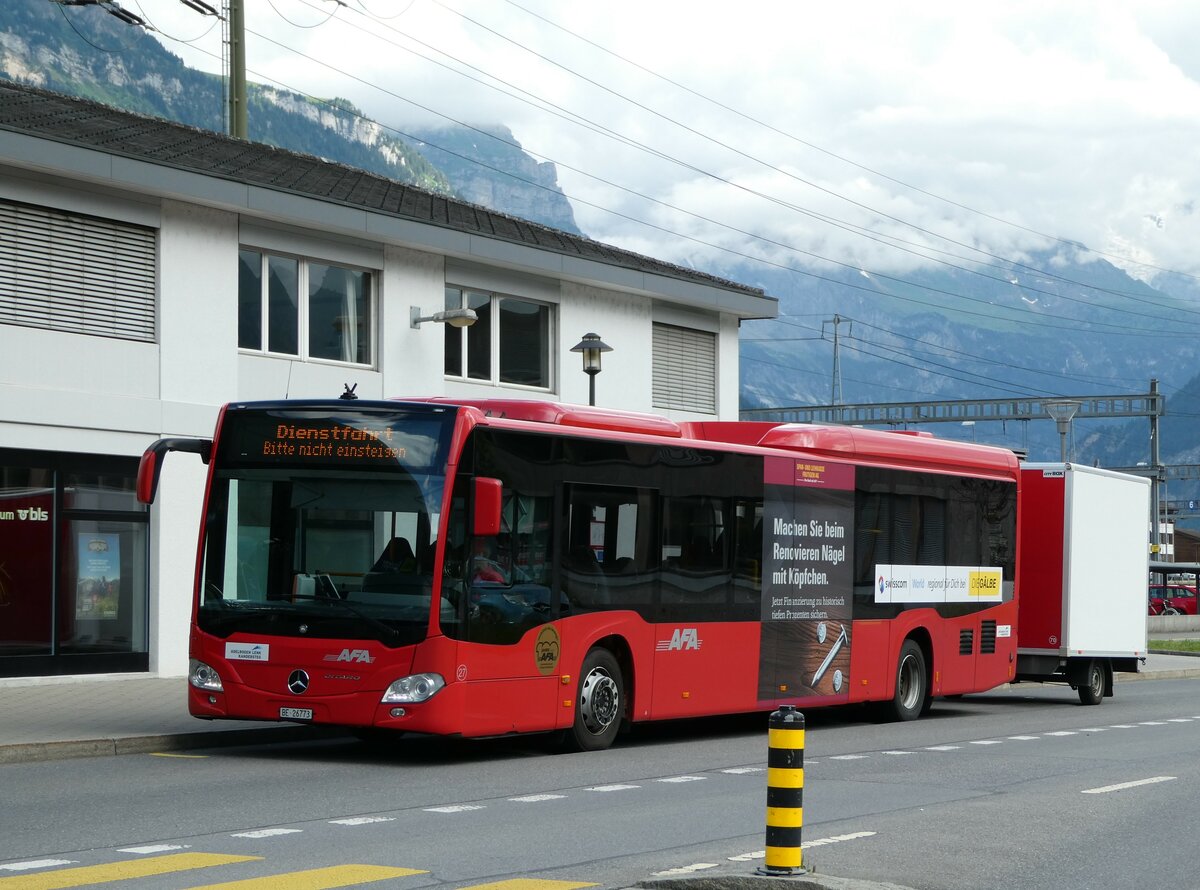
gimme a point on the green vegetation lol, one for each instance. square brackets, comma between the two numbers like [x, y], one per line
[1176, 645]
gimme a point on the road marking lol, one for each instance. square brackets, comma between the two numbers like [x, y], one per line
[1122, 726]
[537, 798]
[318, 878]
[988, 742]
[154, 848]
[1094, 729]
[361, 820]
[180, 756]
[743, 770]
[1180, 720]
[612, 788]
[266, 832]
[36, 863]
[1152, 723]
[819, 842]
[88, 875]
[679, 779]
[685, 869]
[837, 839]
[1024, 738]
[1060, 733]
[849, 757]
[943, 748]
[897, 753]
[458, 808]
[1125, 785]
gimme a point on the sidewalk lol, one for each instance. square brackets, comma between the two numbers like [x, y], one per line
[54, 718]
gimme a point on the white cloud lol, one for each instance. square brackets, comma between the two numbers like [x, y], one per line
[1071, 118]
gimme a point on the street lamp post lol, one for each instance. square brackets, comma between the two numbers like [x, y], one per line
[591, 347]
[1062, 410]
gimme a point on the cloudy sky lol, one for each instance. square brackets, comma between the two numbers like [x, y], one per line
[860, 132]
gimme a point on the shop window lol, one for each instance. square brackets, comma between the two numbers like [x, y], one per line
[74, 557]
[291, 306]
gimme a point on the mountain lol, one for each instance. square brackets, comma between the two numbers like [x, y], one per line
[1059, 324]
[1062, 323]
[83, 51]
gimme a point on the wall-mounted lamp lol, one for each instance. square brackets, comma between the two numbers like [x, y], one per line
[456, 318]
[591, 347]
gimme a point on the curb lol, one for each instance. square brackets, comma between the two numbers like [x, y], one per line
[37, 752]
[761, 882]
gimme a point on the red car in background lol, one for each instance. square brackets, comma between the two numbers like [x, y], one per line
[1172, 599]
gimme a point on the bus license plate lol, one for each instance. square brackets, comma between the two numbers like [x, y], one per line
[295, 713]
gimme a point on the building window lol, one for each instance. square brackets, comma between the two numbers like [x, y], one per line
[304, 308]
[78, 274]
[684, 369]
[510, 342]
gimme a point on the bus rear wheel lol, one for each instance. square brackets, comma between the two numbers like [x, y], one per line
[910, 697]
[600, 703]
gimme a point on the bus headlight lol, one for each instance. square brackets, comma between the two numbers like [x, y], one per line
[204, 677]
[413, 689]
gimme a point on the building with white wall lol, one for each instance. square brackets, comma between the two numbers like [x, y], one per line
[151, 272]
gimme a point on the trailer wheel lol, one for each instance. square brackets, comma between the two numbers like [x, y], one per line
[911, 693]
[600, 703]
[1091, 690]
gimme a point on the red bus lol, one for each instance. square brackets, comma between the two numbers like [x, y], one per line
[484, 567]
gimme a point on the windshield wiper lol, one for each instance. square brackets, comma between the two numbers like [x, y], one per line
[380, 626]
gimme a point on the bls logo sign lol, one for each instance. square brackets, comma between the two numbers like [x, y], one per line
[34, 514]
[682, 638]
[362, 656]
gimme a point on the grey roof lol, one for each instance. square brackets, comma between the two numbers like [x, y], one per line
[91, 125]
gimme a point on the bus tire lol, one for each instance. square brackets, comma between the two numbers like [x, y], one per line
[599, 704]
[912, 689]
[1091, 686]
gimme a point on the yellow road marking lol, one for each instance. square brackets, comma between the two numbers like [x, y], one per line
[529, 884]
[181, 756]
[318, 878]
[119, 871]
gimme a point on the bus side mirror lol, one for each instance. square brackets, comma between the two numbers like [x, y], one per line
[488, 498]
[150, 466]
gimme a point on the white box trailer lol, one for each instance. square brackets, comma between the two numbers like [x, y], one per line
[1082, 569]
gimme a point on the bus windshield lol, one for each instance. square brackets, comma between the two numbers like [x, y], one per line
[322, 523]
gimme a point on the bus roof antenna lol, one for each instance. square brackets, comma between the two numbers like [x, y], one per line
[349, 391]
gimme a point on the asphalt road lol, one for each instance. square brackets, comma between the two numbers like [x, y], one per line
[1022, 788]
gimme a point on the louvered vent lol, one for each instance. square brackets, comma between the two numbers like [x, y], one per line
[79, 274]
[987, 638]
[966, 641]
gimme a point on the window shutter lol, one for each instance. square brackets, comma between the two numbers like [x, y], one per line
[78, 274]
[685, 369]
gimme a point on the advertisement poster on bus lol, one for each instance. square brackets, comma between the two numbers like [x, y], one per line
[808, 541]
[98, 589]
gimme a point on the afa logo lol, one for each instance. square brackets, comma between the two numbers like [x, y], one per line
[682, 638]
[359, 656]
[546, 650]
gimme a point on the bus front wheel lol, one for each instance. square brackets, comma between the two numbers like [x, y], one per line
[911, 692]
[600, 703]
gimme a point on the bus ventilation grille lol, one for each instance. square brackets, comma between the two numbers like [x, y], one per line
[966, 640]
[987, 638]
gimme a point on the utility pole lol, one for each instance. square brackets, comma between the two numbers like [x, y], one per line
[835, 397]
[235, 53]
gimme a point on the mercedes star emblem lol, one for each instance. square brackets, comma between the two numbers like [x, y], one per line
[298, 682]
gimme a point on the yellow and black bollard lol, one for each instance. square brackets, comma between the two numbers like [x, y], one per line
[785, 793]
